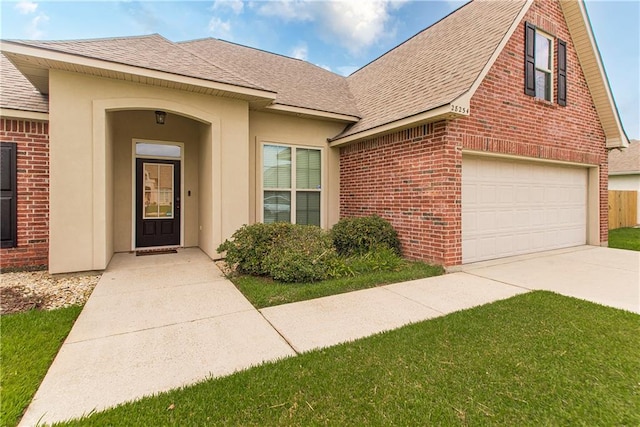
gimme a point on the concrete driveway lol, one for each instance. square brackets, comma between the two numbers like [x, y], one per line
[602, 275]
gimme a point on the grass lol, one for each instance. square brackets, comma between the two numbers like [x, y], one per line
[28, 344]
[535, 359]
[264, 292]
[625, 238]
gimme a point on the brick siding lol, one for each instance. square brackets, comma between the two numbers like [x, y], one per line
[32, 139]
[413, 178]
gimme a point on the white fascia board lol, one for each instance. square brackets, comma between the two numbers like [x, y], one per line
[23, 114]
[456, 109]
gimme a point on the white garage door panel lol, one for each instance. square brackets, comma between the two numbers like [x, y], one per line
[511, 208]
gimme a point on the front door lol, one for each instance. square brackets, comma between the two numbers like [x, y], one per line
[157, 202]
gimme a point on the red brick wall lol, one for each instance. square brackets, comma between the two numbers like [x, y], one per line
[505, 120]
[413, 178]
[32, 139]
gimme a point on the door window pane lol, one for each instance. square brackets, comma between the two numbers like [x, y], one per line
[158, 190]
[158, 150]
[308, 208]
[277, 167]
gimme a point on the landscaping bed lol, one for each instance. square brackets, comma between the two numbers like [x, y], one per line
[22, 291]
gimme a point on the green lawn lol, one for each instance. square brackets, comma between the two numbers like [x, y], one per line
[625, 238]
[263, 292]
[535, 359]
[28, 344]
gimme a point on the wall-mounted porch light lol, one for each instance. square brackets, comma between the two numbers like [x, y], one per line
[160, 116]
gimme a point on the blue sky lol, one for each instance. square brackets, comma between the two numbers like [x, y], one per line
[338, 35]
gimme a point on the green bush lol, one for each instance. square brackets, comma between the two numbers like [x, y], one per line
[381, 258]
[305, 254]
[358, 236]
[251, 244]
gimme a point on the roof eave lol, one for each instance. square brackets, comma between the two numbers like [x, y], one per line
[453, 110]
[23, 114]
[308, 112]
[36, 63]
[582, 35]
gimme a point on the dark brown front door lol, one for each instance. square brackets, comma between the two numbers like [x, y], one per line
[157, 202]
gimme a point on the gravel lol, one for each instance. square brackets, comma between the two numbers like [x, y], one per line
[40, 290]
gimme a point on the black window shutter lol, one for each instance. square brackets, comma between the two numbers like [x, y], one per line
[8, 201]
[562, 73]
[529, 59]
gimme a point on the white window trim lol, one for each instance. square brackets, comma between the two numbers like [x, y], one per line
[135, 156]
[552, 54]
[260, 176]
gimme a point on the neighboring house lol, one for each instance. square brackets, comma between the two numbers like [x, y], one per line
[483, 136]
[624, 170]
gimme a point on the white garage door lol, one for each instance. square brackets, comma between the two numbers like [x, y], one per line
[512, 207]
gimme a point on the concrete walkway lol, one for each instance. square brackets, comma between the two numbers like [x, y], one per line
[158, 322]
[153, 323]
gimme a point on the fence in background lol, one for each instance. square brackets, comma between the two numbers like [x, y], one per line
[623, 209]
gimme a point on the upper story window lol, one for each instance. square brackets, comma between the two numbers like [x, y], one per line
[291, 181]
[540, 50]
[544, 60]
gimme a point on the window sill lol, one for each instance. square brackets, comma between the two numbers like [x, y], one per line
[546, 103]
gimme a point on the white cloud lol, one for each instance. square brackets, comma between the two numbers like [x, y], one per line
[33, 29]
[300, 52]
[236, 6]
[25, 7]
[358, 24]
[326, 67]
[354, 24]
[289, 10]
[219, 28]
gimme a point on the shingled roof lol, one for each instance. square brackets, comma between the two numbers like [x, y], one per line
[297, 83]
[625, 161]
[434, 67]
[152, 52]
[412, 83]
[16, 93]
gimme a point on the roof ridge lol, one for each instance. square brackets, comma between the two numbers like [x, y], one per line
[244, 46]
[202, 58]
[91, 40]
[204, 39]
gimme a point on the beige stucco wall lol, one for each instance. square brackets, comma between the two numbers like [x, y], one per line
[292, 130]
[85, 146]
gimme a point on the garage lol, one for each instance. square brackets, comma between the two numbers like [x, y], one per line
[512, 207]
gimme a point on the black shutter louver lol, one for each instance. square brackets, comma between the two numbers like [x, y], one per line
[8, 193]
[562, 73]
[529, 59]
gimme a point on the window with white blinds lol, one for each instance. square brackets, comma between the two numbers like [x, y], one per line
[291, 180]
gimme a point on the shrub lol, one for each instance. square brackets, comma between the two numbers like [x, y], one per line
[381, 258]
[305, 254]
[251, 244]
[357, 236]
